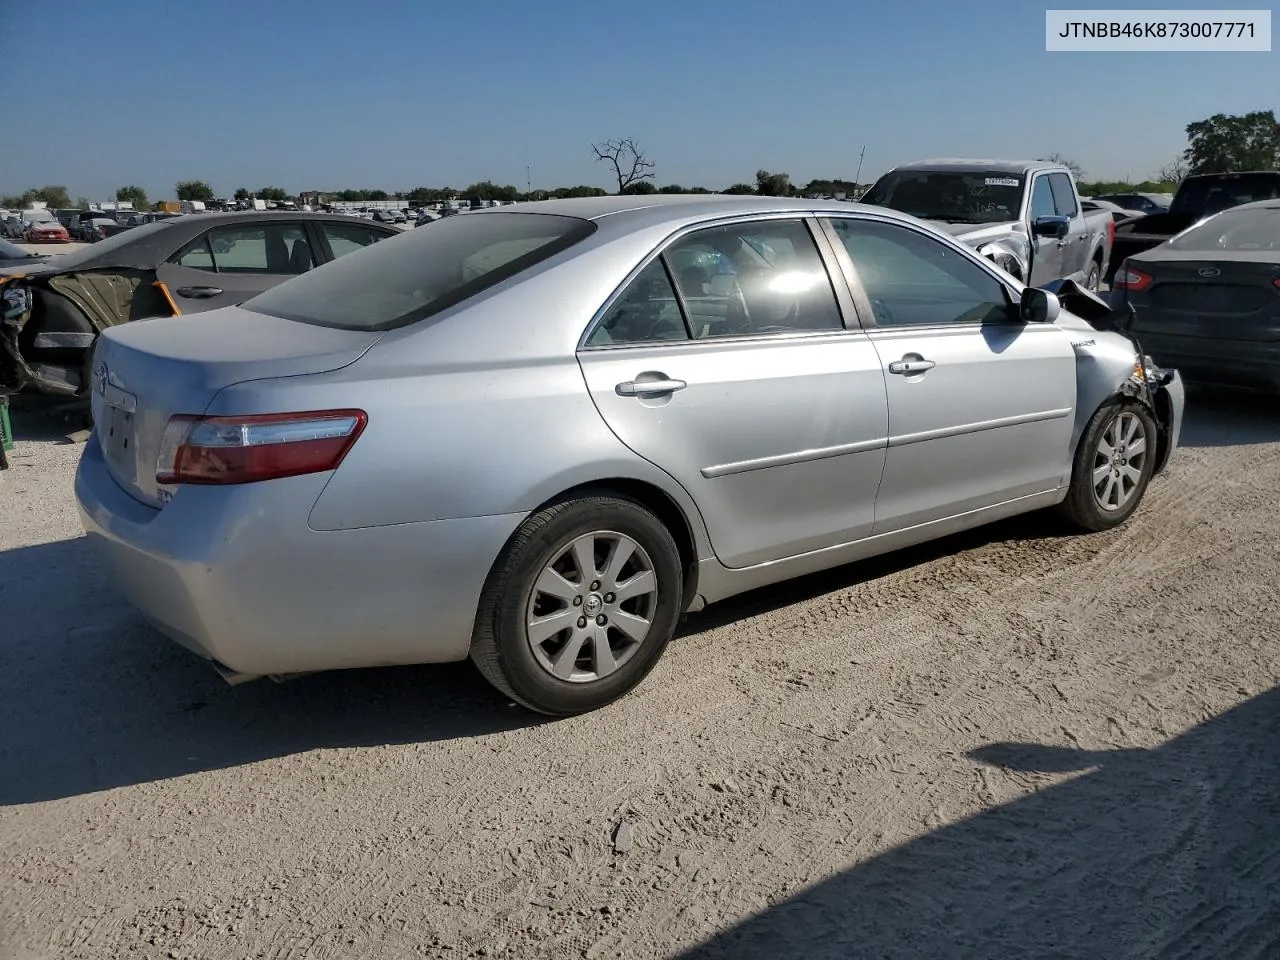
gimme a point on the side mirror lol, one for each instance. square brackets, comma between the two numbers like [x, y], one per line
[1038, 306]
[1055, 228]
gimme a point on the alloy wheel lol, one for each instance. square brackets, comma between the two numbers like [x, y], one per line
[592, 607]
[1119, 461]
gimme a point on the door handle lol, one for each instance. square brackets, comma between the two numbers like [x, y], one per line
[911, 366]
[645, 388]
[199, 293]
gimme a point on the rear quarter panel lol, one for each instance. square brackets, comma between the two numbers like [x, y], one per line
[483, 412]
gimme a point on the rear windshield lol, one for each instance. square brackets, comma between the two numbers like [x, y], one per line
[111, 244]
[1252, 229]
[1204, 195]
[422, 272]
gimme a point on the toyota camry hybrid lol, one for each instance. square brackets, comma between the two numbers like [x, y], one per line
[535, 436]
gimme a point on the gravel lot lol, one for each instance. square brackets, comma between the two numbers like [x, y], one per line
[1008, 744]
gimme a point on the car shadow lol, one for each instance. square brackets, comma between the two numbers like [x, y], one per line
[1219, 417]
[1166, 852]
[92, 698]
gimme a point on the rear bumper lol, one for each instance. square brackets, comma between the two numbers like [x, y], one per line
[237, 576]
[1234, 363]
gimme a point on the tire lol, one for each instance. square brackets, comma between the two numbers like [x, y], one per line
[536, 578]
[1094, 505]
[1093, 279]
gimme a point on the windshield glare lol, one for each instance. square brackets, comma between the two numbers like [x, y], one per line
[978, 197]
[1233, 230]
[419, 273]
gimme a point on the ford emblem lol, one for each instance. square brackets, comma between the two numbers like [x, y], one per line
[1210, 272]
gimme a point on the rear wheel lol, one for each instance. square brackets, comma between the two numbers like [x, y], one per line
[580, 605]
[1094, 278]
[1113, 466]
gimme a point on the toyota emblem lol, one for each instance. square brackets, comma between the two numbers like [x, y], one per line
[1210, 272]
[100, 378]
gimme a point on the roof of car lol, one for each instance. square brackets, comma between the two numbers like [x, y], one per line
[975, 165]
[628, 212]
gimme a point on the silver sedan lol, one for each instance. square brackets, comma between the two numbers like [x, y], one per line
[537, 436]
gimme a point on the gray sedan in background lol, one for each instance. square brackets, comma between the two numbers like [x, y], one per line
[536, 437]
[188, 264]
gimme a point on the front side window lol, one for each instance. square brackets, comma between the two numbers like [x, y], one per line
[915, 280]
[1042, 202]
[422, 272]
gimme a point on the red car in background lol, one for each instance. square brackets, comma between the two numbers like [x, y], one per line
[47, 231]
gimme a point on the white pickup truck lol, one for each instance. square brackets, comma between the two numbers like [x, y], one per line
[1026, 216]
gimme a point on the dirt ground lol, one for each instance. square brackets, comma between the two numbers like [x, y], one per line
[1007, 744]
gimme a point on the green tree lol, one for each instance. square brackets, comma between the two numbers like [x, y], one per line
[194, 190]
[52, 196]
[83, 203]
[640, 187]
[134, 195]
[1229, 144]
[10, 201]
[561, 193]
[376, 195]
[672, 188]
[276, 194]
[773, 184]
[242, 194]
[739, 188]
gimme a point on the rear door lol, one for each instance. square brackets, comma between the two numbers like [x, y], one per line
[228, 264]
[980, 404]
[726, 362]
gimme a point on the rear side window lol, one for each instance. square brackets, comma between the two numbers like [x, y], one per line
[347, 238]
[423, 272]
[1064, 198]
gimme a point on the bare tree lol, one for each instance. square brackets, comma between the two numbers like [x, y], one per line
[1062, 161]
[1173, 172]
[628, 161]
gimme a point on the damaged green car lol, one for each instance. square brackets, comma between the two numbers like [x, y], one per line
[51, 313]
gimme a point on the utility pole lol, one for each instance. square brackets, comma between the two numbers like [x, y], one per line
[528, 182]
[857, 177]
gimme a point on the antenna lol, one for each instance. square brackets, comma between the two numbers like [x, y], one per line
[857, 177]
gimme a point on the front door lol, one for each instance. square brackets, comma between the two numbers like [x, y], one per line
[747, 389]
[981, 404]
[229, 264]
[1047, 258]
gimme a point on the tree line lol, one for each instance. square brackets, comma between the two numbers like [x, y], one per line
[1222, 143]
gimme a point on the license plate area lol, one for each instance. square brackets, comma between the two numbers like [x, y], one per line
[120, 410]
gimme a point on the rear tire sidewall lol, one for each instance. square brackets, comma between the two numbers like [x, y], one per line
[529, 681]
[1081, 506]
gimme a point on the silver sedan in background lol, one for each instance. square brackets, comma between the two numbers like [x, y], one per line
[537, 436]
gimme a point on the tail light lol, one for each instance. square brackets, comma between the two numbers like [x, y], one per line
[1111, 231]
[224, 450]
[1131, 278]
[1276, 282]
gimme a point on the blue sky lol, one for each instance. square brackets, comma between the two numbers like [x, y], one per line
[320, 94]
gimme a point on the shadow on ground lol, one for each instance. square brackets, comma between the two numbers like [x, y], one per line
[1172, 852]
[1226, 418]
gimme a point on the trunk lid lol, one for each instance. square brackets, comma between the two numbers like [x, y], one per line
[144, 373]
[1192, 295]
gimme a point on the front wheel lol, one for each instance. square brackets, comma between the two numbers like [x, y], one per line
[580, 605]
[1113, 466]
